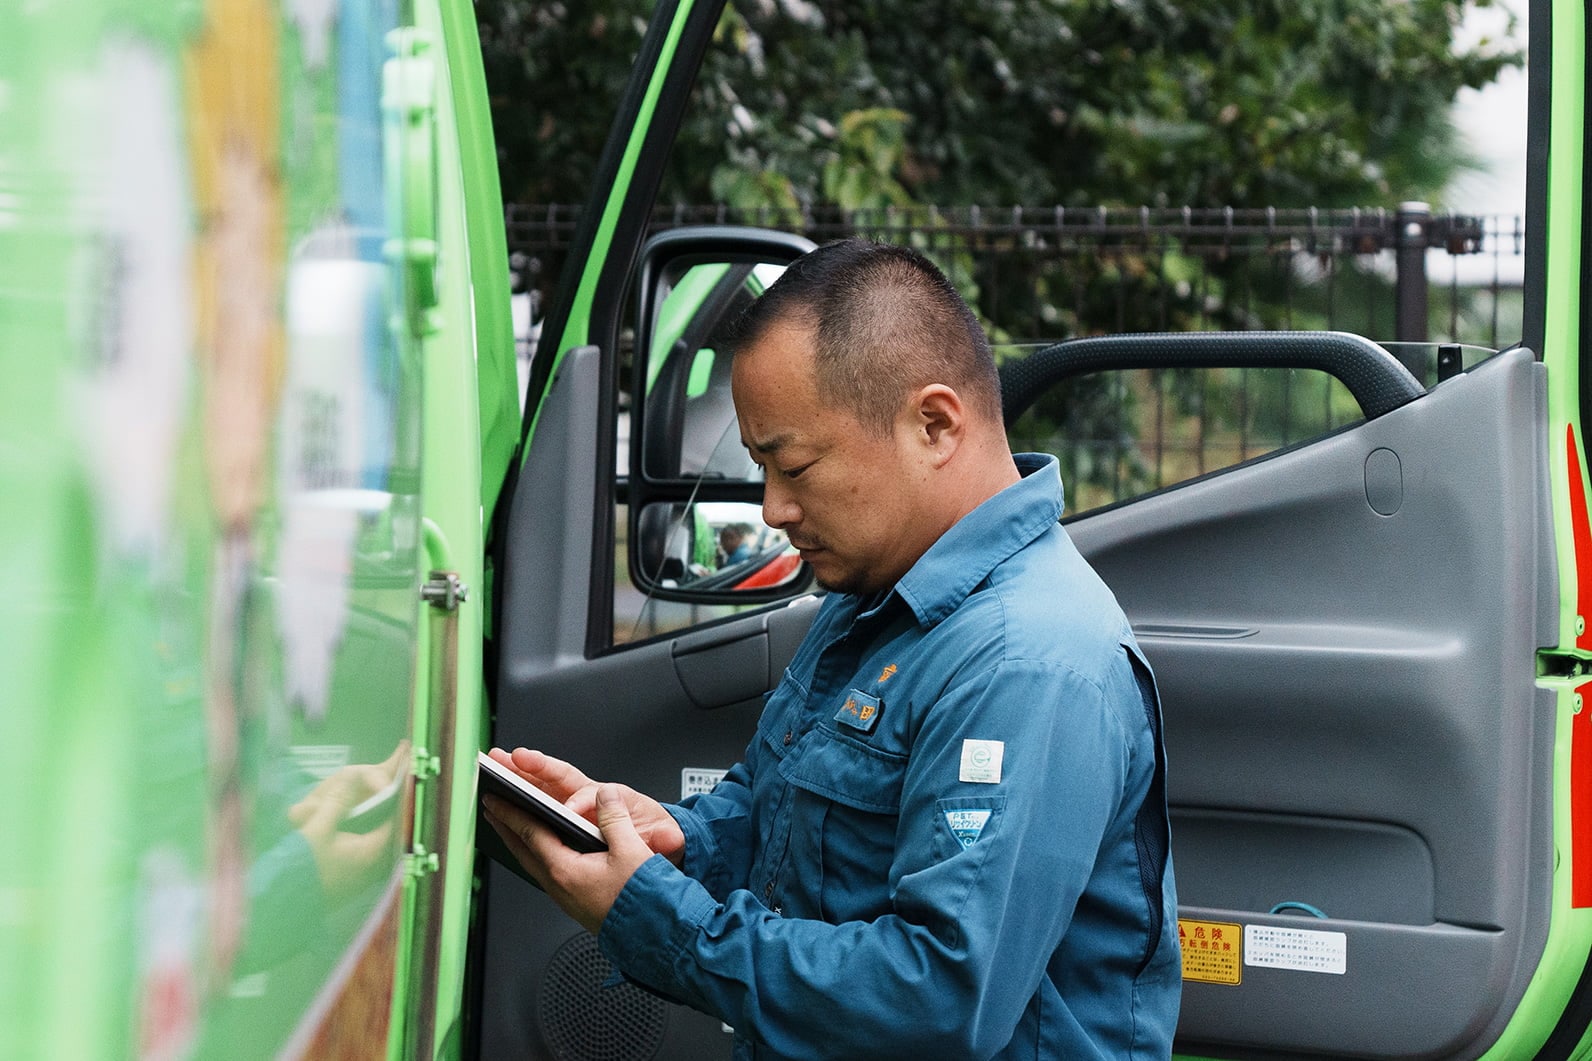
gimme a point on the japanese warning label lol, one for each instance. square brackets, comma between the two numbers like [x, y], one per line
[695, 780]
[1213, 951]
[1296, 948]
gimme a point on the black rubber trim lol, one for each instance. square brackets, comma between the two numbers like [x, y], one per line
[1573, 1022]
[557, 320]
[1539, 83]
[1373, 376]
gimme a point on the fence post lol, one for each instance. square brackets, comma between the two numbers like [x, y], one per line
[1410, 321]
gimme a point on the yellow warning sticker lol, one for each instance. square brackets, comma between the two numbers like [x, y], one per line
[1213, 951]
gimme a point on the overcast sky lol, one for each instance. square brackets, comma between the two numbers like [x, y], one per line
[1493, 122]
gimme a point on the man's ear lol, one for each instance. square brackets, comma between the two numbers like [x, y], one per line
[940, 419]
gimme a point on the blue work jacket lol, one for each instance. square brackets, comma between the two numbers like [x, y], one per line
[948, 837]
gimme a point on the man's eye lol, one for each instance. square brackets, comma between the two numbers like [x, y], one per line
[795, 473]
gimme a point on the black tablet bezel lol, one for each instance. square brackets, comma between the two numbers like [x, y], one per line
[575, 831]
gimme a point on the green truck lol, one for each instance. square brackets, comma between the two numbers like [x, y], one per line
[285, 553]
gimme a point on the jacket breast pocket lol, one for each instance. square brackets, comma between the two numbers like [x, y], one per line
[781, 715]
[847, 800]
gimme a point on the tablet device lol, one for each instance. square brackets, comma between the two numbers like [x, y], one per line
[504, 783]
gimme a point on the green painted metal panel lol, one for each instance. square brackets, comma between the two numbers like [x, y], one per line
[496, 381]
[460, 456]
[576, 331]
[210, 466]
[1565, 954]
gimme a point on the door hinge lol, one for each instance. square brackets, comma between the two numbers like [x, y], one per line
[444, 590]
[422, 863]
[426, 765]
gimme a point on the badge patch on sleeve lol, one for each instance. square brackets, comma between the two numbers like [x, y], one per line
[859, 711]
[981, 761]
[966, 825]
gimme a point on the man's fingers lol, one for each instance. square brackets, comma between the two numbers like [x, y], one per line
[584, 803]
[555, 776]
[613, 818]
[583, 885]
[503, 758]
[513, 828]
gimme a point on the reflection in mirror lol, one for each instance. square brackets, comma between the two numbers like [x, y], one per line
[722, 546]
[689, 415]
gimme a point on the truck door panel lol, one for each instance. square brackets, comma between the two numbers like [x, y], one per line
[658, 715]
[1353, 723]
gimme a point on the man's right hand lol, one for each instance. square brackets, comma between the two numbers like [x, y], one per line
[578, 792]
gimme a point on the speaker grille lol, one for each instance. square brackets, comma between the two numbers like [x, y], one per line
[584, 1021]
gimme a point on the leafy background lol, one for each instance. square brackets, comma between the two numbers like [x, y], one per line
[926, 110]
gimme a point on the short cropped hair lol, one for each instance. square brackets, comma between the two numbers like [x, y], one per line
[886, 322]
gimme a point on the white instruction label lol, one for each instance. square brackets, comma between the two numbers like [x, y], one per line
[981, 761]
[1307, 950]
[696, 779]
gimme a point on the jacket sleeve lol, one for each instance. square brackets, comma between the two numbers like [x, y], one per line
[720, 825]
[718, 829]
[972, 925]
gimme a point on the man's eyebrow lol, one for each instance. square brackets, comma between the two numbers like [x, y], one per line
[770, 446]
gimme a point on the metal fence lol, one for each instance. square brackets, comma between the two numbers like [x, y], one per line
[1045, 273]
[1040, 275]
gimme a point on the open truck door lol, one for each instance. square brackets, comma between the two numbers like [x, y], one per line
[1372, 641]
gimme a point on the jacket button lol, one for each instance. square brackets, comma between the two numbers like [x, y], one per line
[788, 735]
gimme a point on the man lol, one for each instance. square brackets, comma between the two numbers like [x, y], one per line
[735, 540]
[948, 837]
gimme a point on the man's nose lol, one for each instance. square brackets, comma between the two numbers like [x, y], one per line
[779, 508]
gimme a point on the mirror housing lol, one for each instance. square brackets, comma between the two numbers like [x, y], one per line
[686, 461]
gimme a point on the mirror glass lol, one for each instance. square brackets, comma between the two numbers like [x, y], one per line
[714, 545]
[689, 427]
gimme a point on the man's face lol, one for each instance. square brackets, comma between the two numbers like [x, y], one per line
[844, 495]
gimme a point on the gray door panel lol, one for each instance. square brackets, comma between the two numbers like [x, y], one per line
[1351, 720]
[1351, 715]
[653, 715]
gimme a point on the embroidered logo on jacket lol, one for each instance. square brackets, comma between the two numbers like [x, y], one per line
[966, 825]
[859, 711]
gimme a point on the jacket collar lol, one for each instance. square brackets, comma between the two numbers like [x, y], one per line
[980, 541]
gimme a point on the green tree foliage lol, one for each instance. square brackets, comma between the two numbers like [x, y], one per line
[876, 102]
[868, 104]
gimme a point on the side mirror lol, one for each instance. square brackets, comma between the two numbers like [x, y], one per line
[715, 547]
[694, 495]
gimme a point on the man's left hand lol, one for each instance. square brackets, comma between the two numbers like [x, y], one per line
[584, 886]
